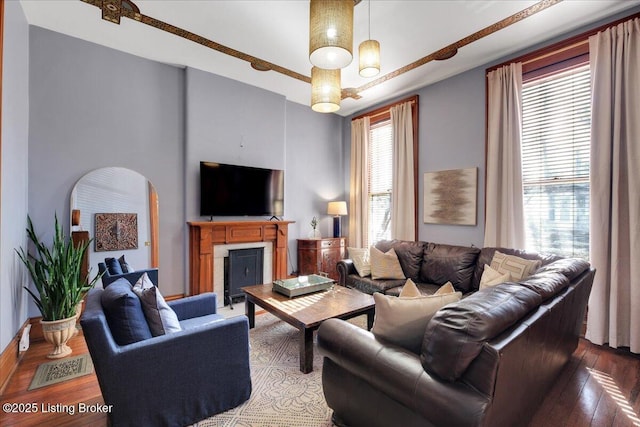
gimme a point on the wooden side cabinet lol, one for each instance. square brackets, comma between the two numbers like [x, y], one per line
[321, 255]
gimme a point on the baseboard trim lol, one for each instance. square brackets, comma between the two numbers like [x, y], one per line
[10, 359]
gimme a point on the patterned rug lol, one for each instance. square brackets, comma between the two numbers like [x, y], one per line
[61, 370]
[282, 396]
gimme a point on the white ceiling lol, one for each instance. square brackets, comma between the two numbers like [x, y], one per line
[277, 31]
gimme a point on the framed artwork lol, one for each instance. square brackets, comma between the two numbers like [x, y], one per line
[450, 196]
[116, 231]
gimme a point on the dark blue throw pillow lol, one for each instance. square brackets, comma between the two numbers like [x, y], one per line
[124, 313]
[126, 268]
[113, 266]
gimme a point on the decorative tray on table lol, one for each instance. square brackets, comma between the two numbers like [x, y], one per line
[302, 285]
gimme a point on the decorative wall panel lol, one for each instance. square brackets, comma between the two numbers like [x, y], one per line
[116, 231]
[450, 197]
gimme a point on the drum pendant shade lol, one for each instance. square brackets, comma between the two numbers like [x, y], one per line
[331, 33]
[369, 54]
[325, 90]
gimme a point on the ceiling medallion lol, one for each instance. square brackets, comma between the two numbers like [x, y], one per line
[129, 10]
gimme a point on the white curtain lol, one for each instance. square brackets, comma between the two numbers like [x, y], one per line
[504, 223]
[614, 304]
[403, 206]
[359, 179]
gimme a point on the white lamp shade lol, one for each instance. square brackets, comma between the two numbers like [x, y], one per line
[337, 208]
[331, 33]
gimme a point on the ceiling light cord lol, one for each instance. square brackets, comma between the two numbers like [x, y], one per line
[369, 8]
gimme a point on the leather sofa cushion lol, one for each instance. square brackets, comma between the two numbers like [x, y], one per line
[448, 263]
[456, 333]
[553, 278]
[546, 284]
[570, 267]
[409, 254]
[369, 285]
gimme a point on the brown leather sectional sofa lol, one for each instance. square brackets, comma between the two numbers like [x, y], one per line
[487, 360]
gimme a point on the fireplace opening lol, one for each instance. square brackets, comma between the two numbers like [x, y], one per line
[243, 267]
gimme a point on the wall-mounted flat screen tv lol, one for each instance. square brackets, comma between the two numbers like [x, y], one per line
[231, 190]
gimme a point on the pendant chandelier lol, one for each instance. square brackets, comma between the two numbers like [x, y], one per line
[331, 33]
[325, 90]
[330, 50]
[369, 54]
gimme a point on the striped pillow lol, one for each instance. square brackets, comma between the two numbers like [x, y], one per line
[360, 258]
[519, 268]
[491, 277]
[385, 265]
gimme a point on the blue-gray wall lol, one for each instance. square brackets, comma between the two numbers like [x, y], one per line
[451, 136]
[14, 180]
[314, 170]
[231, 122]
[451, 132]
[92, 107]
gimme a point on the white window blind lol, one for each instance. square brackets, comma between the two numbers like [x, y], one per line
[556, 123]
[380, 182]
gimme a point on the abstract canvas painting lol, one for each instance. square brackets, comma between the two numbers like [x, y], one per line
[450, 196]
[116, 231]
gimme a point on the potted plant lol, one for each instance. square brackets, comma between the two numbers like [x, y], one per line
[57, 275]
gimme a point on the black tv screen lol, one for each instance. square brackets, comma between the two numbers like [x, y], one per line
[231, 190]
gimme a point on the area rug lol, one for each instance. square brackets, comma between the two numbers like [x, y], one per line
[282, 396]
[61, 370]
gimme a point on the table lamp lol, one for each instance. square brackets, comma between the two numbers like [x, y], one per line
[337, 209]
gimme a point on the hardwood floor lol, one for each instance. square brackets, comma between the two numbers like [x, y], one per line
[598, 387]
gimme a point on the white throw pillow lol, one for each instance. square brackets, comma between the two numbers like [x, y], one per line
[385, 265]
[410, 290]
[519, 268]
[491, 277]
[447, 288]
[160, 317]
[402, 321]
[360, 258]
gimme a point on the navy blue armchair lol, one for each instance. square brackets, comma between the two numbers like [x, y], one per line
[175, 379]
[132, 277]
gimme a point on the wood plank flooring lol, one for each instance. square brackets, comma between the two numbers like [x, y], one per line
[599, 387]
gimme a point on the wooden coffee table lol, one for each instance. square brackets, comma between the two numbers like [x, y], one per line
[307, 312]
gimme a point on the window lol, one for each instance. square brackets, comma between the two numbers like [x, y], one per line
[556, 126]
[372, 218]
[380, 189]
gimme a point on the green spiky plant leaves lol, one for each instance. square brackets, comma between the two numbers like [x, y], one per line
[56, 272]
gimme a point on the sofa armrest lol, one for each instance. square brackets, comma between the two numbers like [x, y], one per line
[399, 374]
[132, 277]
[345, 267]
[195, 306]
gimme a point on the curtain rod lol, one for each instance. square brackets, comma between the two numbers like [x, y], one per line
[385, 110]
[574, 41]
